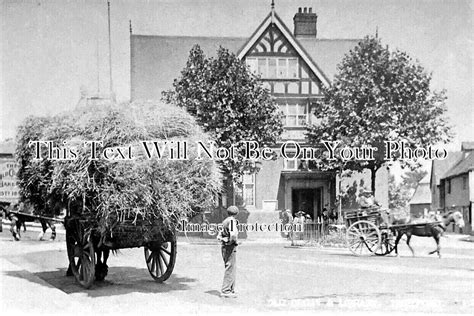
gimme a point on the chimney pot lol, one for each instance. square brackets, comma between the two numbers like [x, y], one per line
[305, 23]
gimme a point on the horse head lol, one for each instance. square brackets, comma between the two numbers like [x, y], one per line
[457, 218]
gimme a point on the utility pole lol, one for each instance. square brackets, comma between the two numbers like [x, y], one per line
[98, 68]
[112, 95]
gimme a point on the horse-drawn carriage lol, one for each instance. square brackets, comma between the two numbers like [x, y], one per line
[374, 231]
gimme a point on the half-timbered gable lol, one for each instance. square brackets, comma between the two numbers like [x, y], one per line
[287, 71]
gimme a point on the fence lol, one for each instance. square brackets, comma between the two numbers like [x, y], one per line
[318, 233]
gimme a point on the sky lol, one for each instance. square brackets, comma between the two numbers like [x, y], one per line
[50, 49]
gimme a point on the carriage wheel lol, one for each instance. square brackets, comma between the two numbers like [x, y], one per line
[387, 245]
[160, 259]
[80, 250]
[363, 238]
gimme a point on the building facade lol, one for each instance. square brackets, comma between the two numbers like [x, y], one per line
[9, 190]
[420, 202]
[457, 186]
[295, 67]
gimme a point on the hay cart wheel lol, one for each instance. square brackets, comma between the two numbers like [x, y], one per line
[160, 259]
[363, 238]
[80, 250]
[387, 244]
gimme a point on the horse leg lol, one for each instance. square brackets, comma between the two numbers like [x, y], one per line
[399, 236]
[13, 226]
[101, 268]
[408, 244]
[106, 257]
[53, 231]
[43, 229]
[438, 246]
[18, 226]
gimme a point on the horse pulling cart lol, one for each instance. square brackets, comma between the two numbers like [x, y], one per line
[88, 246]
[370, 232]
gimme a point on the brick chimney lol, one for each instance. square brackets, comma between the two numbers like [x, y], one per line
[305, 23]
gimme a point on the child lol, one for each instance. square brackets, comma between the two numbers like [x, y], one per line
[228, 238]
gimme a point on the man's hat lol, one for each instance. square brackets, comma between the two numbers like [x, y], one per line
[233, 210]
[366, 192]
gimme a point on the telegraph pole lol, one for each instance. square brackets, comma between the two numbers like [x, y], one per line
[112, 95]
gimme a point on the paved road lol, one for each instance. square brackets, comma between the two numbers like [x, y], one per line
[271, 277]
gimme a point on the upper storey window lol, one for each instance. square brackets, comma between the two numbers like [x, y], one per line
[274, 67]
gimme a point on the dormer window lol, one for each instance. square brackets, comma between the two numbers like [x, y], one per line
[274, 67]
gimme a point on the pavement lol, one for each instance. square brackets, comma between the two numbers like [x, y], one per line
[272, 277]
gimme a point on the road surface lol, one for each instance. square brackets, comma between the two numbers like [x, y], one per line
[271, 277]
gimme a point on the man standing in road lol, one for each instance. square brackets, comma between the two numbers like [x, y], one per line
[228, 238]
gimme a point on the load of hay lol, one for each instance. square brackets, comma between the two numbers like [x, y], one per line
[122, 195]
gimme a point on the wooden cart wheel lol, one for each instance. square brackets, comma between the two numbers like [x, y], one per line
[387, 244]
[363, 238]
[160, 259]
[80, 250]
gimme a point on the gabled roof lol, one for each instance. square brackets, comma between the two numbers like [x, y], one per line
[422, 194]
[440, 167]
[463, 166]
[296, 45]
[157, 60]
[426, 179]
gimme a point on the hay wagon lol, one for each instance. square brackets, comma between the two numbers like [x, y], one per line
[86, 241]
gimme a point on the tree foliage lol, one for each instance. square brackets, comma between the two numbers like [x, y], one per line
[378, 96]
[229, 102]
[411, 178]
[398, 194]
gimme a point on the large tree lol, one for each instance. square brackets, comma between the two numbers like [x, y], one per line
[380, 95]
[229, 102]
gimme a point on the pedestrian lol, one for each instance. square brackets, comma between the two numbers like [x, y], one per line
[299, 220]
[367, 200]
[228, 238]
[287, 218]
